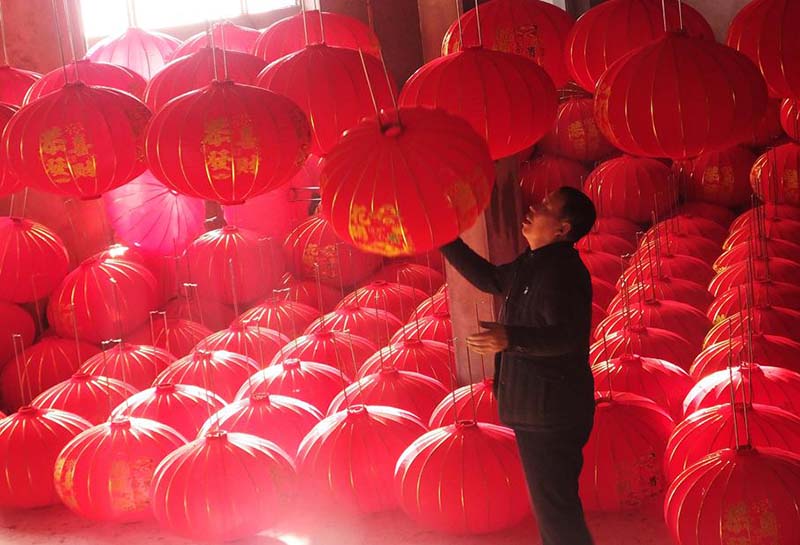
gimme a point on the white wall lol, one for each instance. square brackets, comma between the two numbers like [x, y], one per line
[718, 13]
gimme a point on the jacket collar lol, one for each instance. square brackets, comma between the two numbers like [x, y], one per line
[552, 248]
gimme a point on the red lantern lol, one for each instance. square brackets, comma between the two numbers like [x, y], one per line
[342, 351]
[679, 244]
[770, 228]
[144, 52]
[430, 358]
[438, 302]
[713, 429]
[664, 288]
[176, 336]
[605, 242]
[790, 118]
[644, 341]
[618, 227]
[598, 315]
[419, 277]
[33, 260]
[530, 28]
[751, 382]
[412, 392]
[314, 383]
[434, 327]
[334, 86]
[463, 479]
[714, 101]
[182, 407]
[625, 452]
[14, 320]
[746, 495]
[105, 472]
[688, 224]
[396, 299]
[719, 214]
[375, 325]
[433, 259]
[90, 73]
[602, 265]
[208, 312]
[286, 317]
[31, 440]
[521, 112]
[89, 396]
[774, 176]
[39, 367]
[591, 46]
[225, 35]
[78, 141]
[471, 402]
[575, 134]
[764, 292]
[246, 487]
[15, 83]
[350, 456]
[308, 292]
[259, 343]
[313, 250]
[776, 269]
[631, 188]
[765, 349]
[718, 177]
[136, 365]
[9, 181]
[602, 292]
[683, 267]
[197, 70]
[282, 420]
[293, 34]
[766, 211]
[227, 142]
[543, 174]
[392, 212]
[218, 371]
[778, 321]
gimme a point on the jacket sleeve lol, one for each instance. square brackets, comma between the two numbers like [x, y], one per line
[478, 271]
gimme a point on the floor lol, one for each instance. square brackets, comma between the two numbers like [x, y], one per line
[56, 525]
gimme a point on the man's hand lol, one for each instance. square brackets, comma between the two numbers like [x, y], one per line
[494, 339]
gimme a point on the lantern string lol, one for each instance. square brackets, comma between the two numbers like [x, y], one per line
[304, 16]
[234, 294]
[210, 34]
[75, 330]
[71, 38]
[60, 41]
[18, 343]
[358, 382]
[224, 50]
[369, 85]
[132, 22]
[104, 347]
[680, 14]
[608, 365]
[478, 324]
[453, 380]
[37, 302]
[460, 26]
[471, 387]
[3, 36]
[321, 23]
[731, 385]
[664, 14]
[478, 23]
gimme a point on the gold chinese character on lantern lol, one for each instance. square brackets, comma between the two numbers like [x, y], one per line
[66, 154]
[379, 230]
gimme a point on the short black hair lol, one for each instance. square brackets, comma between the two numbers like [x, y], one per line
[578, 210]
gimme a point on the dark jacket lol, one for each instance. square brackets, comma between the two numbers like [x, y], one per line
[543, 379]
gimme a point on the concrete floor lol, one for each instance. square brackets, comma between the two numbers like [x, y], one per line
[56, 525]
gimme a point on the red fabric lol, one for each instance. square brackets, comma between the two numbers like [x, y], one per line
[224, 35]
[210, 313]
[373, 324]
[145, 52]
[342, 351]
[9, 181]
[14, 84]
[218, 371]
[91, 73]
[177, 336]
[286, 317]
[765, 349]
[755, 247]
[396, 299]
[473, 401]
[421, 277]
[259, 343]
[683, 267]
[664, 288]
[650, 342]
[770, 227]
[430, 358]
[776, 269]
[764, 292]
[433, 327]
[89, 396]
[14, 320]
[134, 364]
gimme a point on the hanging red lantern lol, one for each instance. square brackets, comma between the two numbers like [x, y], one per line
[770, 320]
[718, 177]
[234, 265]
[764, 292]
[379, 189]
[463, 479]
[218, 371]
[625, 452]
[433, 259]
[766, 211]
[680, 244]
[9, 181]
[282, 420]
[133, 364]
[87, 72]
[643, 341]
[774, 176]
[631, 188]
[771, 228]
[750, 382]
[342, 351]
[434, 327]
[516, 120]
[396, 299]
[606, 242]
[224, 35]
[14, 320]
[14, 84]
[790, 118]
[719, 214]
[430, 358]
[618, 227]
[227, 142]
[687, 225]
[602, 265]
[335, 87]
[663, 288]
[79, 141]
[765, 349]
[308, 292]
[602, 292]
[259, 343]
[314, 383]
[419, 277]
[31, 440]
[33, 260]
[350, 456]
[314, 27]
[247, 486]
[105, 472]
[543, 174]
[182, 407]
[598, 315]
[437, 302]
[471, 402]
[713, 429]
[575, 134]
[145, 52]
[674, 121]
[683, 267]
[776, 269]
[286, 317]
[89, 396]
[747, 495]
[591, 46]
[406, 390]
[189, 306]
[174, 335]
[375, 325]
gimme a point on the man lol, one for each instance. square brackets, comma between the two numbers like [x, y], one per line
[543, 381]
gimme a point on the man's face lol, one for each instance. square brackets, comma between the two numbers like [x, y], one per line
[543, 224]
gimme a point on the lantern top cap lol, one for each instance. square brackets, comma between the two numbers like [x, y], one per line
[165, 388]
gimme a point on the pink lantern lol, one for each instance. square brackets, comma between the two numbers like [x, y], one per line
[182, 407]
[225, 35]
[218, 371]
[255, 342]
[435, 327]
[286, 317]
[430, 358]
[14, 320]
[778, 321]
[136, 365]
[471, 402]
[373, 324]
[343, 351]
[463, 479]
[87, 72]
[188, 306]
[89, 396]
[282, 420]
[765, 349]
[246, 487]
[174, 335]
[414, 275]
[644, 341]
[30, 441]
[314, 383]
[156, 220]
[145, 52]
[15, 83]
[623, 458]
[776, 269]
[350, 456]
[396, 299]
[105, 472]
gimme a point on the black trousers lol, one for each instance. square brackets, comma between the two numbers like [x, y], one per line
[552, 461]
